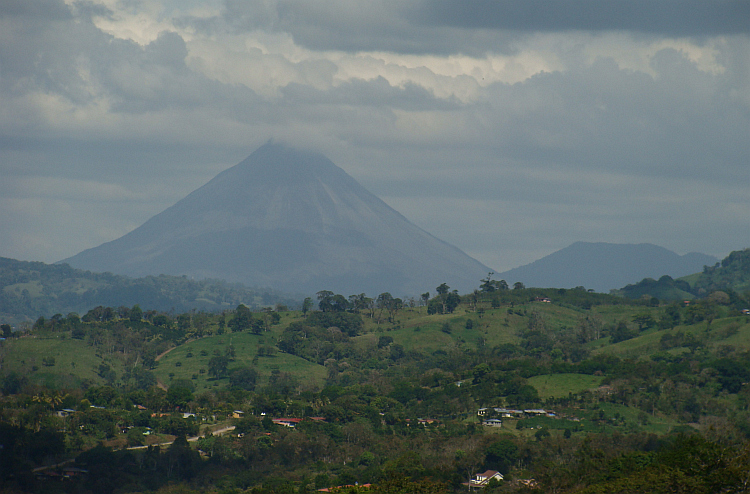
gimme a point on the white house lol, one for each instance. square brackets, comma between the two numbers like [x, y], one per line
[481, 480]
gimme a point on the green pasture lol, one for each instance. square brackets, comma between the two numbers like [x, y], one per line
[561, 385]
[74, 361]
[187, 360]
[731, 332]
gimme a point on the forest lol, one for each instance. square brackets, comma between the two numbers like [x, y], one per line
[557, 390]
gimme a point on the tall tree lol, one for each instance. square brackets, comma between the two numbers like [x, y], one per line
[242, 320]
[306, 305]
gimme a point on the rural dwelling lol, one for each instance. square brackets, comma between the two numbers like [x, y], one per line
[287, 422]
[492, 422]
[342, 487]
[505, 413]
[481, 480]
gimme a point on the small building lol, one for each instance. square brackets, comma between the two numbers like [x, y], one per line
[492, 422]
[505, 413]
[287, 422]
[482, 480]
[342, 487]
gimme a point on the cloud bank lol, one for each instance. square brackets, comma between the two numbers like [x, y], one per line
[510, 129]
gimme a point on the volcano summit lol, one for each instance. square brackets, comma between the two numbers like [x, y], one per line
[293, 221]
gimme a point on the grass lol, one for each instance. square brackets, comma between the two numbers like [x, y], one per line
[729, 332]
[639, 419]
[178, 365]
[561, 385]
[34, 288]
[74, 361]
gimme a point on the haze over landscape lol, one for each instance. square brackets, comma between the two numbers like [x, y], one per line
[374, 247]
[507, 135]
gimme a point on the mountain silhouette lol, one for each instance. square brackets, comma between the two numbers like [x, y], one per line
[603, 266]
[290, 220]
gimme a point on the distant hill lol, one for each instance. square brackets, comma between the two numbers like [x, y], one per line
[32, 289]
[603, 266]
[291, 220]
[665, 288]
[732, 274]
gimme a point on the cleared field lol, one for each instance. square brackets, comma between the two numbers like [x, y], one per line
[187, 360]
[560, 385]
[55, 362]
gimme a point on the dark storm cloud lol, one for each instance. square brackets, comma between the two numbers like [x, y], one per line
[663, 17]
[477, 27]
[352, 26]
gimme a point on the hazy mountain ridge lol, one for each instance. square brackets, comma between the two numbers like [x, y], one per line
[291, 220]
[604, 266]
[32, 289]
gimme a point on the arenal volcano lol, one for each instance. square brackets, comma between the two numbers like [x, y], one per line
[290, 220]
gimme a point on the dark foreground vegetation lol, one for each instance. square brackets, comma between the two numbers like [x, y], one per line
[558, 390]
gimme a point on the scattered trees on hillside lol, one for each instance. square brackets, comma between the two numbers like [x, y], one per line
[445, 302]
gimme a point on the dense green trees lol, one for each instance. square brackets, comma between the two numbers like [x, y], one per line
[400, 409]
[243, 378]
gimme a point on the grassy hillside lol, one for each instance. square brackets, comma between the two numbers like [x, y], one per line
[561, 385]
[189, 359]
[56, 362]
[556, 329]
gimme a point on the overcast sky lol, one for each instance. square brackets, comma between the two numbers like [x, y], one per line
[509, 128]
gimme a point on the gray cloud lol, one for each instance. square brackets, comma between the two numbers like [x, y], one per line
[375, 93]
[662, 17]
[353, 26]
[446, 26]
[40, 9]
[587, 148]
